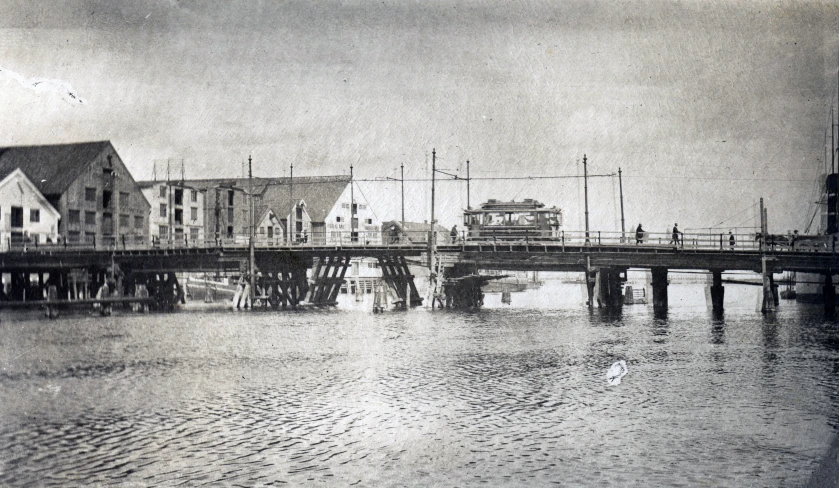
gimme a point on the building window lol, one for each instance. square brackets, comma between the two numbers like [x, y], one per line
[34, 215]
[345, 205]
[193, 196]
[229, 215]
[163, 231]
[138, 221]
[369, 221]
[339, 219]
[123, 220]
[74, 216]
[193, 213]
[270, 232]
[106, 199]
[179, 196]
[193, 234]
[89, 237]
[124, 200]
[163, 210]
[230, 198]
[299, 213]
[90, 218]
[229, 231]
[90, 194]
[73, 236]
[17, 216]
[162, 191]
[179, 216]
[354, 208]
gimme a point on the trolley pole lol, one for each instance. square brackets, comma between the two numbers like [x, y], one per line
[250, 226]
[623, 227]
[585, 185]
[402, 168]
[468, 183]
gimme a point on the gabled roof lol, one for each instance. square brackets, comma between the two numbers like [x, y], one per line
[51, 168]
[319, 192]
[19, 175]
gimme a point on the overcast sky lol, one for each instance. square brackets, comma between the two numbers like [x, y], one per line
[705, 106]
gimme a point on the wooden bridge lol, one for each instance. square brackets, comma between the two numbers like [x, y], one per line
[286, 268]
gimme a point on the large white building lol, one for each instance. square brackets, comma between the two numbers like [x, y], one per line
[177, 212]
[25, 214]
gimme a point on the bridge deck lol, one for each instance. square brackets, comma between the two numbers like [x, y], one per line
[547, 256]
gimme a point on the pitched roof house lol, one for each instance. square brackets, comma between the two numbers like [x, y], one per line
[93, 191]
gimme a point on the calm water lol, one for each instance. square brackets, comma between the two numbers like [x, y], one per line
[511, 395]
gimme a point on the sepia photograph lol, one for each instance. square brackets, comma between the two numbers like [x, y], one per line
[419, 243]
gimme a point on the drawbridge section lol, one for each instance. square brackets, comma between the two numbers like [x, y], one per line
[327, 278]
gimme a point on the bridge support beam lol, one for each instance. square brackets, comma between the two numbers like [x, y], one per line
[609, 282]
[462, 286]
[770, 292]
[396, 274]
[659, 283]
[829, 293]
[715, 292]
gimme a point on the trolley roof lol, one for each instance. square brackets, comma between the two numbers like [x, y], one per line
[528, 204]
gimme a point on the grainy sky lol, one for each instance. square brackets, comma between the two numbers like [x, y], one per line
[705, 105]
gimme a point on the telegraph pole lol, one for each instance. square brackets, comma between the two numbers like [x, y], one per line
[251, 223]
[433, 243]
[250, 227]
[623, 227]
[291, 215]
[585, 185]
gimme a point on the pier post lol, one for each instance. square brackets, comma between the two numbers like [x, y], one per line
[659, 283]
[716, 291]
[769, 302]
[829, 293]
[609, 288]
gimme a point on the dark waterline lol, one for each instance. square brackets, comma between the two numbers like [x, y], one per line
[504, 396]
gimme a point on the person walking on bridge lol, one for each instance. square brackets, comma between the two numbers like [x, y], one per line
[675, 238]
[730, 241]
[639, 235]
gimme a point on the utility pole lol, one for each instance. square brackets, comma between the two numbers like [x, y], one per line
[585, 185]
[623, 227]
[468, 182]
[402, 168]
[250, 212]
[433, 241]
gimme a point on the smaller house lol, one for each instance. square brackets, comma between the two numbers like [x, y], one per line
[412, 233]
[269, 228]
[25, 214]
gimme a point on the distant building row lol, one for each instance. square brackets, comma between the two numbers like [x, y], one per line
[83, 193]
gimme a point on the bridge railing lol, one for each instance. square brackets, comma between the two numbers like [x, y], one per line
[698, 241]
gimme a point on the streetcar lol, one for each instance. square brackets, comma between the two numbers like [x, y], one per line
[512, 221]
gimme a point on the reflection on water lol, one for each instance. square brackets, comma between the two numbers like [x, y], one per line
[503, 396]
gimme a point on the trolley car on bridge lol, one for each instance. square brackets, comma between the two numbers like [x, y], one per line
[513, 221]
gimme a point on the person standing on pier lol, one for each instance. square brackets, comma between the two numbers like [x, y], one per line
[675, 239]
[730, 241]
[453, 234]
